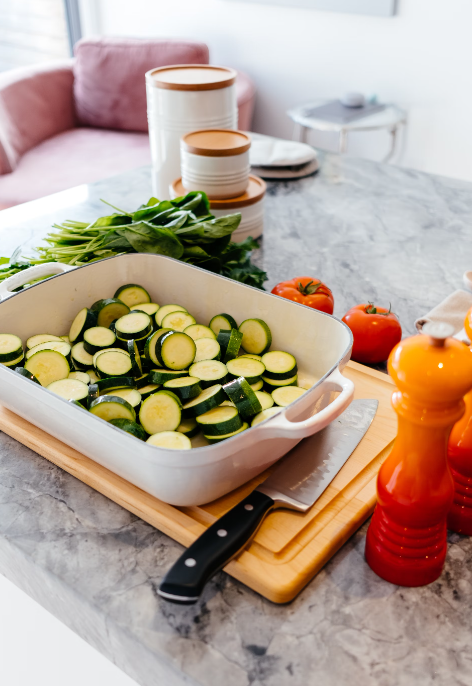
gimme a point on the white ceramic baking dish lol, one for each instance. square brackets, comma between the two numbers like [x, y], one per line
[321, 343]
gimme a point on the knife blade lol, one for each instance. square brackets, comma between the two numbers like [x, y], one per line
[296, 483]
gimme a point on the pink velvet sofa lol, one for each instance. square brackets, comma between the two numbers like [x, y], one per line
[67, 123]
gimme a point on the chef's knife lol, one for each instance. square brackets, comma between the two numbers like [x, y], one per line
[296, 483]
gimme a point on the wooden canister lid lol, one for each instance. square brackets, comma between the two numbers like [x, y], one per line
[216, 142]
[254, 192]
[191, 77]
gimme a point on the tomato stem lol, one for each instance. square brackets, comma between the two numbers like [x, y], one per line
[309, 289]
[371, 309]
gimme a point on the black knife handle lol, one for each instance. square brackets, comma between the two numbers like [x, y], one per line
[185, 581]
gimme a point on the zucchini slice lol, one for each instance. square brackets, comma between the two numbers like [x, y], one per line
[66, 339]
[97, 338]
[230, 342]
[167, 309]
[131, 395]
[162, 375]
[279, 365]
[108, 350]
[172, 440]
[70, 389]
[15, 363]
[135, 357]
[148, 390]
[93, 375]
[257, 337]
[209, 372]
[208, 399]
[227, 403]
[149, 308]
[11, 347]
[197, 331]
[81, 359]
[184, 387]
[24, 372]
[257, 386]
[114, 382]
[80, 376]
[112, 407]
[217, 439]
[59, 346]
[133, 325]
[108, 310]
[285, 395]
[242, 395]
[251, 369]
[84, 320]
[265, 414]
[253, 357]
[207, 349]
[48, 366]
[219, 421]
[188, 427]
[271, 384]
[222, 321]
[130, 427]
[132, 294]
[175, 350]
[178, 321]
[141, 381]
[161, 411]
[39, 338]
[113, 364]
[150, 345]
[265, 399]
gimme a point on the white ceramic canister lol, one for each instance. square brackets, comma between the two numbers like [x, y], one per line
[215, 161]
[180, 99]
[250, 204]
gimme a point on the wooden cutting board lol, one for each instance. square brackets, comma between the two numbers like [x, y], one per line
[289, 548]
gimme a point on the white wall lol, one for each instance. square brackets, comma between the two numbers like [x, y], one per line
[420, 59]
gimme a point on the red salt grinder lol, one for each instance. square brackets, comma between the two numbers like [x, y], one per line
[406, 540]
[460, 461]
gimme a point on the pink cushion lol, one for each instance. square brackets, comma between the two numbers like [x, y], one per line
[109, 86]
[81, 155]
[35, 103]
[246, 95]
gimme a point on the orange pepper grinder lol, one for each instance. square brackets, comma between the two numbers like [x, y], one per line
[460, 461]
[406, 540]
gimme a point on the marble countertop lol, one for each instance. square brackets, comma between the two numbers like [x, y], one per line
[372, 232]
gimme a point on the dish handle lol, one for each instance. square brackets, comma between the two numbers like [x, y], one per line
[8, 286]
[281, 427]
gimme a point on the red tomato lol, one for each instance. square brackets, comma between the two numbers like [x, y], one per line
[307, 291]
[376, 332]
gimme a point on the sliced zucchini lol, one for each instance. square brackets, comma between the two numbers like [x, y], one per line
[197, 331]
[84, 320]
[48, 366]
[167, 309]
[251, 369]
[209, 372]
[97, 338]
[148, 390]
[61, 347]
[271, 384]
[222, 321]
[150, 346]
[133, 325]
[80, 376]
[175, 350]
[39, 338]
[257, 337]
[172, 440]
[178, 321]
[217, 439]
[253, 357]
[162, 375]
[105, 386]
[113, 364]
[135, 357]
[265, 399]
[141, 381]
[109, 407]
[93, 393]
[185, 387]
[66, 339]
[230, 342]
[227, 403]
[285, 395]
[207, 349]
[220, 420]
[93, 375]
[130, 427]
[81, 359]
[108, 350]
[24, 372]
[160, 411]
[108, 310]
[15, 363]
[132, 294]
[242, 395]
[279, 365]
[257, 386]
[149, 308]
[188, 427]
[70, 389]
[11, 347]
[265, 414]
[208, 399]
[131, 395]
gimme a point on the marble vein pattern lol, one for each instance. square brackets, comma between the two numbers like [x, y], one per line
[372, 232]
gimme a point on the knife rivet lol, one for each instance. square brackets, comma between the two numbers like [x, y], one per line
[190, 562]
[222, 533]
[249, 507]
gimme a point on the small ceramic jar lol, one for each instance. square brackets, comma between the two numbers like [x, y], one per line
[215, 161]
